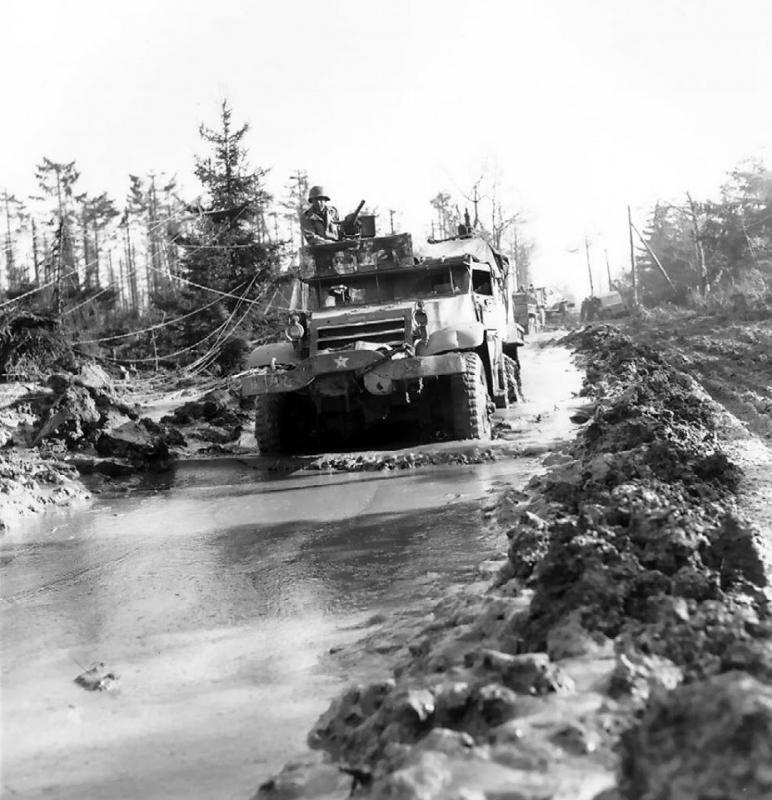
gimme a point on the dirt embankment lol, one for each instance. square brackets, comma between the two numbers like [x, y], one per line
[79, 424]
[624, 649]
[731, 357]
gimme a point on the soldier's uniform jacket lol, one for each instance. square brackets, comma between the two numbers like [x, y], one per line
[320, 224]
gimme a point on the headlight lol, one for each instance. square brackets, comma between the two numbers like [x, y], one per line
[294, 331]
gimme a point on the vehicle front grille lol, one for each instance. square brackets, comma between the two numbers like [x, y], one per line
[389, 330]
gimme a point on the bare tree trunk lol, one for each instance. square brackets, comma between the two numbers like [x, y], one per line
[131, 273]
[154, 282]
[698, 248]
[96, 253]
[47, 276]
[58, 273]
[35, 256]
[86, 260]
[10, 261]
[122, 292]
[633, 265]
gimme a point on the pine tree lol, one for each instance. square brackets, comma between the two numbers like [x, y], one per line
[228, 250]
[128, 271]
[57, 181]
[172, 208]
[669, 236]
[96, 213]
[448, 216]
[13, 212]
[738, 230]
[156, 227]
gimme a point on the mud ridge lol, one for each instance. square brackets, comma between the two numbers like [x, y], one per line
[624, 647]
[75, 424]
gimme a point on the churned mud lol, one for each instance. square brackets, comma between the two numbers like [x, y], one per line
[219, 595]
[731, 358]
[84, 431]
[623, 649]
[81, 432]
[76, 423]
[32, 480]
[619, 649]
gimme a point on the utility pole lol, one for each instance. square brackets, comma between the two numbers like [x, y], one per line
[633, 265]
[475, 201]
[514, 258]
[608, 270]
[391, 220]
[589, 267]
[654, 258]
[520, 275]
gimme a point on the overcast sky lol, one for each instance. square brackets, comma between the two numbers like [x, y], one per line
[578, 106]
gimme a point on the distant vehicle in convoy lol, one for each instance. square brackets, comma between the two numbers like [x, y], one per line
[608, 305]
[530, 308]
[385, 333]
[557, 307]
[526, 311]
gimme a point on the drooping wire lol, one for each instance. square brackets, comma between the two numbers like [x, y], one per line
[207, 358]
[157, 326]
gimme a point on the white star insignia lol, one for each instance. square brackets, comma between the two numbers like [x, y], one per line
[341, 362]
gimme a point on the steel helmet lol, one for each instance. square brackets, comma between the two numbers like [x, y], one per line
[317, 191]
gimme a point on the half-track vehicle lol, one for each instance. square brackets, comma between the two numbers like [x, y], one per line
[385, 333]
[608, 305]
[557, 307]
[529, 309]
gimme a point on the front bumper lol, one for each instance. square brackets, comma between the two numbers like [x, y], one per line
[357, 364]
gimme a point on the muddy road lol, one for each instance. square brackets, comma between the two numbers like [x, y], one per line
[218, 593]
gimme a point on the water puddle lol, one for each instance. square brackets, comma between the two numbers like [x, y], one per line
[214, 595]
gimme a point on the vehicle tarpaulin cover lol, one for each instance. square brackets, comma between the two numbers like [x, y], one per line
[474, 246]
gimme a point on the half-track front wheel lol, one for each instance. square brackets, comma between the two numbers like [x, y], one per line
[269, 423]
[514, 386]
[469, 398]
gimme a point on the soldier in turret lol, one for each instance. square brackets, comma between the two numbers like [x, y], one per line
[320, 221]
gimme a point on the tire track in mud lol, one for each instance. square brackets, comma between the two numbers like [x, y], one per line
[731, 359]
[71, 578]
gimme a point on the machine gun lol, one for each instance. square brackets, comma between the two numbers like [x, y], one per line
[351, 226]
